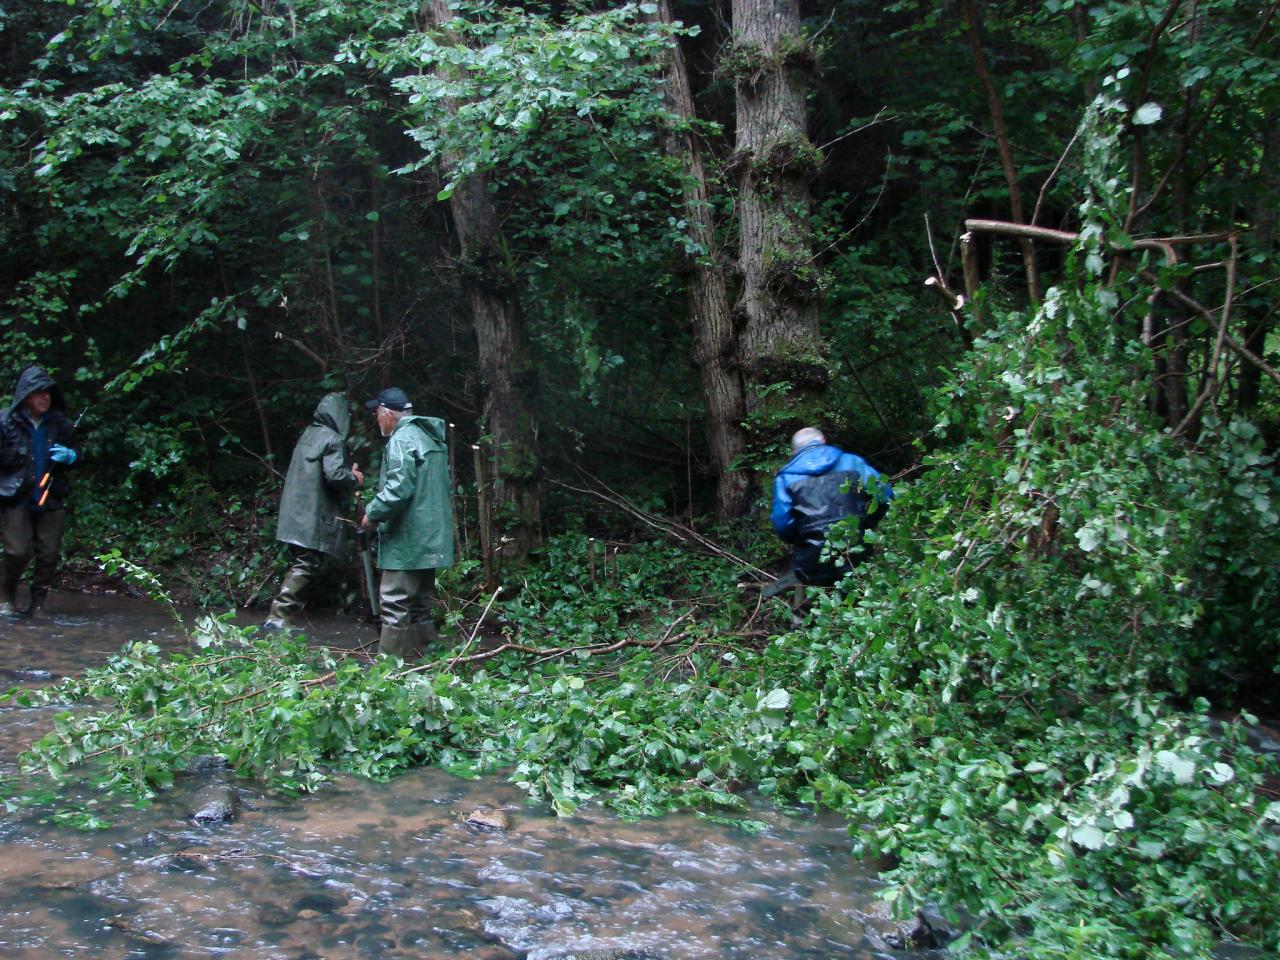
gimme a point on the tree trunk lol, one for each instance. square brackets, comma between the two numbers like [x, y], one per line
[508, 376]
[715, 348]
[770, 61]
[1028, 250]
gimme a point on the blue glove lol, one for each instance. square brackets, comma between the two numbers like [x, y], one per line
[60, 454]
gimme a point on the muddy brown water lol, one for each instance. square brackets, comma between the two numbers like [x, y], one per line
[362, 869]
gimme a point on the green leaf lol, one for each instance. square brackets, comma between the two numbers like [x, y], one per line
[777, 699]
[1147, 114]
[1088, 836]
[1088, 538]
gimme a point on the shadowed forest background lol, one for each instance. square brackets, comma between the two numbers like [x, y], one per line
[532, 218]
[1019, 255]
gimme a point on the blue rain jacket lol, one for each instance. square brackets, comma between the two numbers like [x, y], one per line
[808, 496]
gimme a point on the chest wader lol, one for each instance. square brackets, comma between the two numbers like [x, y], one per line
[289, 603]
[407, 625]
[27, 534]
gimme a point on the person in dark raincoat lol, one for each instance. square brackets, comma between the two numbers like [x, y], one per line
[412, 515]
[818, 487]
[36, 453]
[315, 490]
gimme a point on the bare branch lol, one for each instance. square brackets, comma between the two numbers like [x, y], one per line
[1044, 187]
[1213, 381]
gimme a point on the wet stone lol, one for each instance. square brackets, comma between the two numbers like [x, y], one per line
[206, 762]
[148, 839]
[227, 936]
[166, 863]
[138, 933]
[486, 819]
[927, 931]
[375, 945]
[72, 874]
[457, 940]
[215, 804]
[318, 903]
[25, 673]
[274, 916]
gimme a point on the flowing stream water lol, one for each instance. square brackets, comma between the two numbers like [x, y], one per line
[362, 869]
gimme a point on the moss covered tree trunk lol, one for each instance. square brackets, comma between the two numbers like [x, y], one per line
[508, 375]
[783, 356]
[715, 346]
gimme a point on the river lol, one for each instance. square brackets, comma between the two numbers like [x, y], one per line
[363, 869]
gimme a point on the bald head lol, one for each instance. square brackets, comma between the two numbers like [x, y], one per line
[806, 436]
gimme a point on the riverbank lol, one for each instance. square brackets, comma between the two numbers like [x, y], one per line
[365, 868]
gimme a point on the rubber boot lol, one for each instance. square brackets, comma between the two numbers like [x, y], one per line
[9, 589]
[400, 641]
[38, 611]
[428, 635]
[287, 604]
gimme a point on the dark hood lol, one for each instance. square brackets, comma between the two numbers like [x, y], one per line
[814, 460]
[334, 412]
[29, 381]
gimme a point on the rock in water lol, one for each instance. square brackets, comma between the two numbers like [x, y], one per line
[215, 804]
[486, 818]
[206, 763]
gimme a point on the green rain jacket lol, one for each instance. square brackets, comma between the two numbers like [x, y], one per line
[319, 480]
[415, 529]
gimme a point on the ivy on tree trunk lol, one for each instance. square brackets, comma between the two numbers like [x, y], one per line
[770, 61]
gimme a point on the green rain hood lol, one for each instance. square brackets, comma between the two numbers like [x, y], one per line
[319, 482]
[415, 523]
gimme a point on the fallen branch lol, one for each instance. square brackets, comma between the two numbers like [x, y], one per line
[476, 629]
[672, 529]
[552, 653]
[1004, 228]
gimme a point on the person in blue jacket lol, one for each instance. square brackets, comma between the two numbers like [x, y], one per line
[818, 487]
[36, 453]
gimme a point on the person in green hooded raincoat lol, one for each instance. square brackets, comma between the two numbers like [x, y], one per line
[414, 522]
[315, 491]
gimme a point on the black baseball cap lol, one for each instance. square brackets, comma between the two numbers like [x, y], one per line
[393, 398]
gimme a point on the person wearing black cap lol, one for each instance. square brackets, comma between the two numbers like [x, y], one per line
[414, 523]
[35, 455]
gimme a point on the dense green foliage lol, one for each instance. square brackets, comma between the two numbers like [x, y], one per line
[1031, 704]
[215, 212]
[1021, 673]
[1010, 705]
